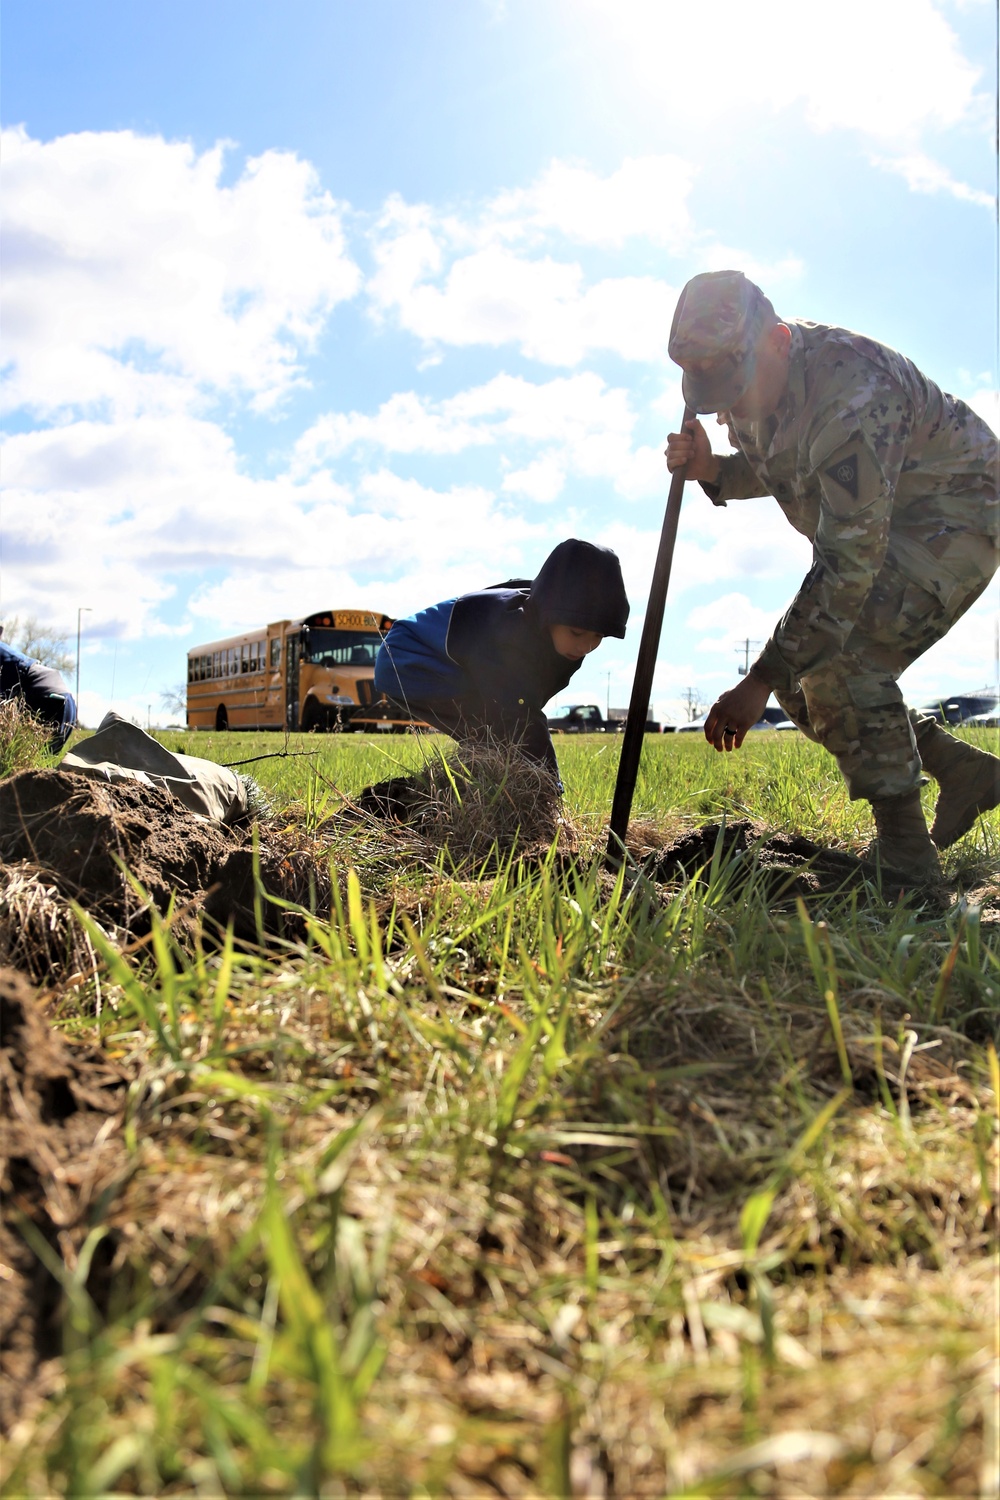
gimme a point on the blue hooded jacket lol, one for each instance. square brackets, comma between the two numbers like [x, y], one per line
[42, 689]
[489, 655]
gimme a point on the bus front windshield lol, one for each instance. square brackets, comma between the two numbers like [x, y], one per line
[341, 648]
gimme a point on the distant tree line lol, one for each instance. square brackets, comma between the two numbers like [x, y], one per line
[37, 640]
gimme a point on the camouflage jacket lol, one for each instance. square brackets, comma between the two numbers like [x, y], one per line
[876, 466]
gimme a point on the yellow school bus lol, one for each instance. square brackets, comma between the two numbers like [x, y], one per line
[315, 673]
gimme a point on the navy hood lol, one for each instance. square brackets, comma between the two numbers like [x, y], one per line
[581, 584]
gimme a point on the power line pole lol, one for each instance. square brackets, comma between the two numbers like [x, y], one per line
[84, 609]
[745, 648]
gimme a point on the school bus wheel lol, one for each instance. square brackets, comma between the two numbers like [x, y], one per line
[313, 718]
[221, 718]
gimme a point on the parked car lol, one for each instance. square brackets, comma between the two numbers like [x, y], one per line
[586, 718]
[960, 707]
[773, 718]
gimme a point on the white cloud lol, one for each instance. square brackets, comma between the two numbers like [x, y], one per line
[732, 620]
[541, 305]
[646, 197]
[136, 281]
[583, 427]
[924, 175]
[508, 407]
[986, 403]
[785, 270]
[183, 516]
[542, 480]
[478, 277]
[405, 423]
[886, 68]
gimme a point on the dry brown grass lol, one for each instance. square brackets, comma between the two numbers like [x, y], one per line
[38, 931]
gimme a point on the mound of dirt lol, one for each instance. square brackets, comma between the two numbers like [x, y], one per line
[483, 798]
[84, 831]
[120, 849]
[60, 1153]
[785, 864]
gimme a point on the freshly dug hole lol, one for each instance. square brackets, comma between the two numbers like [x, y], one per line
[786, 864]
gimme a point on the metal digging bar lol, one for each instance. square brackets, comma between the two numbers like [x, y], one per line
[642, 683]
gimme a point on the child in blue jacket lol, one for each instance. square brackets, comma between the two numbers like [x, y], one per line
[42, 690]
[482, 667]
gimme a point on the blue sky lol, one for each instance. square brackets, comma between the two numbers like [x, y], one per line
[335, 304]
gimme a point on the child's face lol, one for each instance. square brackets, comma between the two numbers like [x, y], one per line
[572, 642]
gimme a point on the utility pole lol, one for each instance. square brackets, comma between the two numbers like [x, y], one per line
[745, 648]
[83, 610]
[693, 702]
[607, 706]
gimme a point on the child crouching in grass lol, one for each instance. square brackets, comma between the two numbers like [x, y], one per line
[482, 667]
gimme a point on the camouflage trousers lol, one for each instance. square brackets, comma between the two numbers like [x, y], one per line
[852, 704]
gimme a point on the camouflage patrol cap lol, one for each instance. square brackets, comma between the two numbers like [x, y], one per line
[718, 319]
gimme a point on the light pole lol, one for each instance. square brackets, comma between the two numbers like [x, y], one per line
[84, 609]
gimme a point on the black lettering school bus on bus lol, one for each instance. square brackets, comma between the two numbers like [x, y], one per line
[311, 674]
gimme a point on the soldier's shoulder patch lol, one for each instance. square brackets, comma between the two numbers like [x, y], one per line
[845, 473]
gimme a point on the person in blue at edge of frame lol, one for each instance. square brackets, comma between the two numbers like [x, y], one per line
[42, 689]
[482, 666]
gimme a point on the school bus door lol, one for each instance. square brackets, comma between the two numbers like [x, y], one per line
[293, 651]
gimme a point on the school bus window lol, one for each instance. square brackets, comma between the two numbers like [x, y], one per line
[275, 652]
[343, 648]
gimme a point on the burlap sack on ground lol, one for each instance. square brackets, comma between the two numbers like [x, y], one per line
[121, 751]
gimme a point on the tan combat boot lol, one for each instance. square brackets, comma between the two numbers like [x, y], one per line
[969, 780]
[902, 842]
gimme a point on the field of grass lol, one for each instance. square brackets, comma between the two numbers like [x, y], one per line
[532, 1178]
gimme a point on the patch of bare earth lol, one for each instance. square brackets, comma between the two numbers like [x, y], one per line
[121, 850]
[61, 1156]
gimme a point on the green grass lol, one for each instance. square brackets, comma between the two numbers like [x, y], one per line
[539, 1179]
[24, 739]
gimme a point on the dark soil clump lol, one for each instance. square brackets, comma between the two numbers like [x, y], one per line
[60, 1155]
[122, 849]
[786, 864]
[84, 831]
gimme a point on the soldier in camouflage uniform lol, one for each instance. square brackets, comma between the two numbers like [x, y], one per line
[896, 486]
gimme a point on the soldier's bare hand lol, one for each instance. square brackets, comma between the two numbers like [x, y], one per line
[692, 447]
[735, 712]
